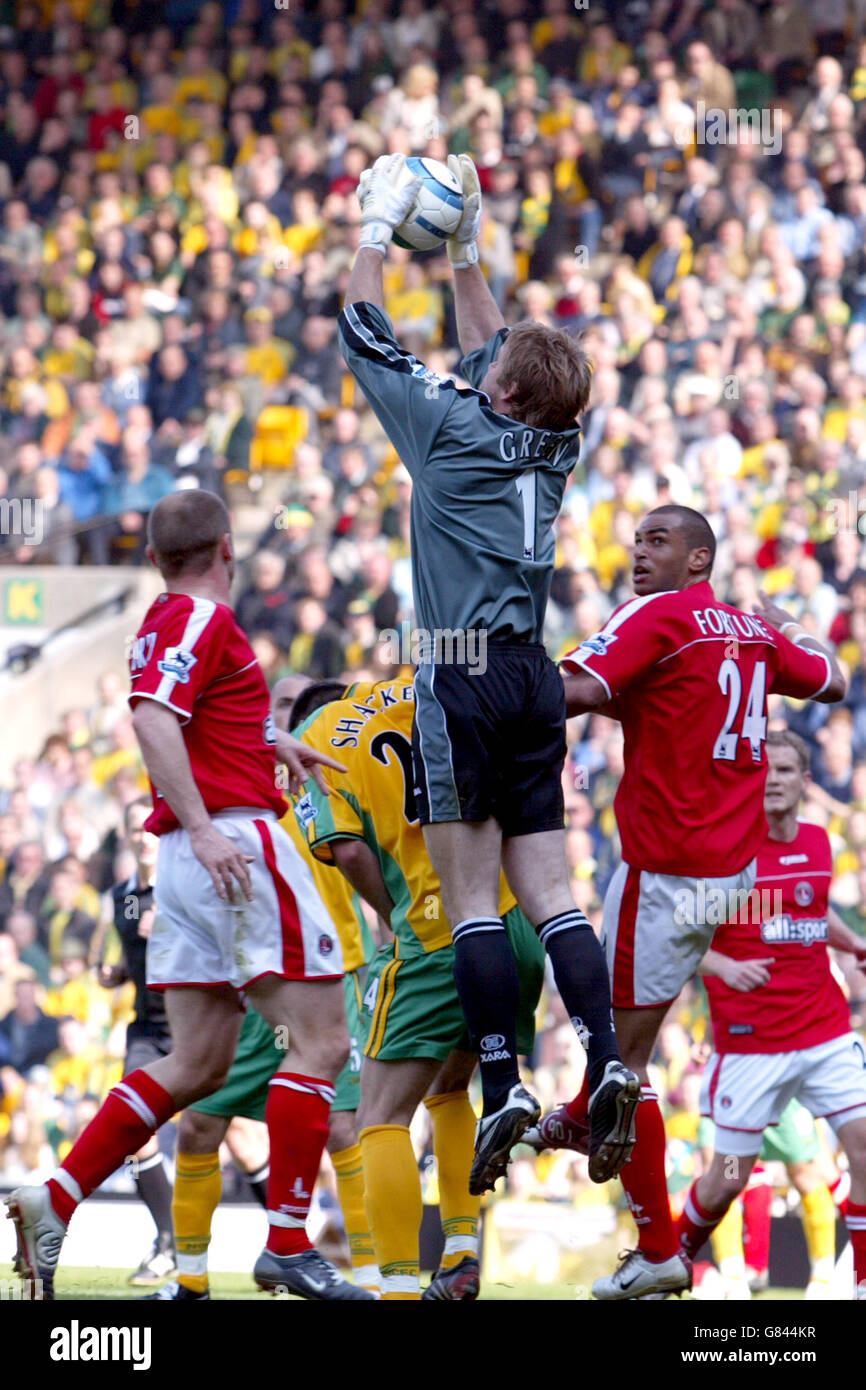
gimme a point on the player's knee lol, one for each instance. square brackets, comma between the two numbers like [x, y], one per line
[855, 1148]
[207, 1075]
[726, 1179]
[326, 1054]
[338, 1050]
[343, 1131]
[198, 1133]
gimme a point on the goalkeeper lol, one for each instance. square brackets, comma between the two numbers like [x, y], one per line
[489, 462]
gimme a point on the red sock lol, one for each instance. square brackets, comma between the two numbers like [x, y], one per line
[645, 1182]
[855, 1220]
[132, 1111]
[696, 1224]
[578, 1107]
[757, 1202]
[297, 1119]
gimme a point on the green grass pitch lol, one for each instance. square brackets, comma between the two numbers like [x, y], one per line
[110, 1285]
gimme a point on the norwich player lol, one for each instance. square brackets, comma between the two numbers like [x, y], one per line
[418, 1048]
[203, 1126]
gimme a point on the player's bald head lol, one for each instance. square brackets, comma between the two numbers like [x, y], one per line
[674, 547]
[695, 528]
[184, 531]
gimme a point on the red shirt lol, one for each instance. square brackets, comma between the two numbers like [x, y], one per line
[802, 1006]
[688, 677]
[191, 656]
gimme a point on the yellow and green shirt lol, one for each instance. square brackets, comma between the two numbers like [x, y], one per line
[374, 800]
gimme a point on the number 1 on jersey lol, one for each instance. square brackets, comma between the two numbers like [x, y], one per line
[754, 719]
[527, 486]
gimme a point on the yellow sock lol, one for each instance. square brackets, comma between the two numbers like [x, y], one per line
[392, 1195]
[453, 1121]
[197, 1190]
[349, 1169]
[727, 1243]
[819, 1223]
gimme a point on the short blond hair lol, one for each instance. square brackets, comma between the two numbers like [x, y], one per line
[786, 738]
[547, 374]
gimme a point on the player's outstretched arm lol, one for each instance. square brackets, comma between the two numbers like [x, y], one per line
[386, 193]
[478, 315]
[842, 938]
[304, 762]
[801, 637]
[167, 762]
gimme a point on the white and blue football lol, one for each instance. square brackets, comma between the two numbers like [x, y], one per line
[438, 207]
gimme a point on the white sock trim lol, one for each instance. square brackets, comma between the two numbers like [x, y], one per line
[290, 1223]
[68, 1183]
[695, 1217]
[401, 1283]
[327, 1093]
[368, 1275]
[466, 1245]
[192, 1264]
[145, 1164]
[135, 1102]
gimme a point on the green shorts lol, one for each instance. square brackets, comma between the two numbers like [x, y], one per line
[411, 1006]
[246, 1087]
[794, 1139]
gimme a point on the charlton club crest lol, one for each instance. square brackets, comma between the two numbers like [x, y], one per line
[803, 893]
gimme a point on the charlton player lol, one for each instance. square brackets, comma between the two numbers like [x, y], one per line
[237, 910]
[688, 677]
[789, 1037]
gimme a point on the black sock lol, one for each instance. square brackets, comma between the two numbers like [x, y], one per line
[580, 971]
[485, 973]
[258, 1181]
[154, 1189]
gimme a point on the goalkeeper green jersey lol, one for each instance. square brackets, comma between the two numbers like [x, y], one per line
[486, 489]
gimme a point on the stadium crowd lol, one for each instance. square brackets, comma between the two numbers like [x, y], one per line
[177, 223]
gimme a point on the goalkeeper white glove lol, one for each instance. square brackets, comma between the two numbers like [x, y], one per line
[463, 246]
[386, 194]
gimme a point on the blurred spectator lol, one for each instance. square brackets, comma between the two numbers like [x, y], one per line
[29, 1034]
[267, 605]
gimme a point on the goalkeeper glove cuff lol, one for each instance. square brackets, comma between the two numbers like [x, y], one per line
[376, 235]
[462, 254]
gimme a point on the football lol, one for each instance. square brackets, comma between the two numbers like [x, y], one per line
[437, 209]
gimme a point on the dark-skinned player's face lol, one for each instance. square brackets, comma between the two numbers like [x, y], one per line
[662, 558]
[786, 781]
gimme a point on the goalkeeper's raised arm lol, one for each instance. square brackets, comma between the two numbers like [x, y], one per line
[478, 316]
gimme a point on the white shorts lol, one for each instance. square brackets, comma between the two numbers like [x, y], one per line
[198, 939]
[657, 928]
[743, 1092]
